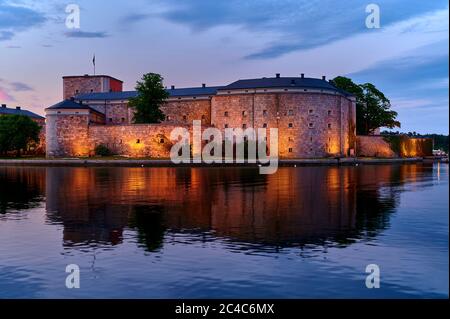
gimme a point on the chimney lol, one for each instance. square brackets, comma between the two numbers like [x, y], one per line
[277, 75]
[302, 75]
[324, 77]
[17, 107]
[203, 85]
[172, 87]
[4, 105]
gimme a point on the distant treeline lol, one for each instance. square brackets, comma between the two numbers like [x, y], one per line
[440, 141]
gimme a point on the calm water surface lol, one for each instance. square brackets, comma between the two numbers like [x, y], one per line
[224, 232]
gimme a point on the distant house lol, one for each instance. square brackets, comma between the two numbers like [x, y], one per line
[4, 110]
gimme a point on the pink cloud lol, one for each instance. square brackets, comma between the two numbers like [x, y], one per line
[5, 96]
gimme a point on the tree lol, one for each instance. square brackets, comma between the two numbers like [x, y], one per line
[17, 132]
[151, 95]
[373, 108]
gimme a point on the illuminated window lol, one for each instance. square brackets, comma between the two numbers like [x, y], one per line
[244, 113]
[167, 118]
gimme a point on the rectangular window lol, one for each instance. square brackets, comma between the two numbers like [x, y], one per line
[225, 113]
[264, 125]
[264, 112]
[291, 112]
[329, 126]
[244, 126]
[329, 112]
[244, 113]
[184, 117]
[290, 149]
[311, 125]
[291, 125]
[226, 125]
[311, 111]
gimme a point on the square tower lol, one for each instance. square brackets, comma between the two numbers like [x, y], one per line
[80, 84]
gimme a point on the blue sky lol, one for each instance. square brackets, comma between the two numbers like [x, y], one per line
[216, 42]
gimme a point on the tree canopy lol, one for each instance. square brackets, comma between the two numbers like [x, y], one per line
[17, 132]
[151, 95]
[373, 108]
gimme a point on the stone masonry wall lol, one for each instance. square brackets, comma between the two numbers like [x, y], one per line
[184, 112]
[309, 124]
[374, 146]
[81, 84]
[136, 140]
[67, 135]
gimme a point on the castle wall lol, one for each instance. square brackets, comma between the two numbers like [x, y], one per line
[78, 85]
[186, 111]
[309, 124]
[136, 140]
[399, 146]
[67, 134]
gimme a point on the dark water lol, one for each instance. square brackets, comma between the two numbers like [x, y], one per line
[224, 232]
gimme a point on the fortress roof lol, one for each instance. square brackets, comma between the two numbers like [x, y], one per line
[261, 83]
[18, 111]
[284, 82]
[125, 95]
[71, 105]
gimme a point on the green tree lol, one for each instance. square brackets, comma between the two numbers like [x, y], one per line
[17, 132]
[373, 108]
[151, 95]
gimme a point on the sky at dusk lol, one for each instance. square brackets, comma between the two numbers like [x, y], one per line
[190, 42]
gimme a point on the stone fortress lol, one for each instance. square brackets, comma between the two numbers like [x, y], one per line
[314, 118]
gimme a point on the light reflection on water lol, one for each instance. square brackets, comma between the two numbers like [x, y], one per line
[224, 232]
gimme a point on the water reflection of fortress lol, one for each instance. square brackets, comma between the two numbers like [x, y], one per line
[294, 206]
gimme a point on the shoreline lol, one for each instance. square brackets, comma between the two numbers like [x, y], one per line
[77, 162]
